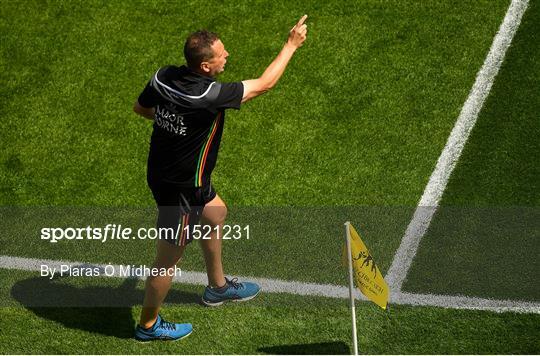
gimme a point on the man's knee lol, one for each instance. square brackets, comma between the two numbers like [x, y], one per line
[215, 214]
[168, 255]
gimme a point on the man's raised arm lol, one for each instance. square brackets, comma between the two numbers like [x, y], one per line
[256, 87]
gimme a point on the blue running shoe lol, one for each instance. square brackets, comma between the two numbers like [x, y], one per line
[232, 291]
[163, 330]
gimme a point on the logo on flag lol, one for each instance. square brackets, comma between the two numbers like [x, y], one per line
[367, 276]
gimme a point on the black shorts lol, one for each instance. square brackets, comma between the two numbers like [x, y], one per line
[180, 208]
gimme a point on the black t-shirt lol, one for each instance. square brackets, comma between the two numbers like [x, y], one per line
[188, 124]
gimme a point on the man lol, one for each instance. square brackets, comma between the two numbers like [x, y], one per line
[188, 109]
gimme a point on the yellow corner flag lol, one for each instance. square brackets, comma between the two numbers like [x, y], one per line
[367, 276]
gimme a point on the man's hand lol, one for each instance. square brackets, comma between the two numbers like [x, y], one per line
[256, 87]
[144, 112]
[297, 34]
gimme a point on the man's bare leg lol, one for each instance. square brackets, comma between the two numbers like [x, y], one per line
[157, 287]
[214, 214]
[220, 290]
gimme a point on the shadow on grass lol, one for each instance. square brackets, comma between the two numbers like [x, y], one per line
[101, 309]
[320, 348]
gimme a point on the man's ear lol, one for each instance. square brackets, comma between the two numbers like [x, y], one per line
[205, 67]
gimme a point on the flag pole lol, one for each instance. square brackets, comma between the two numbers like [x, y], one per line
[351, 286]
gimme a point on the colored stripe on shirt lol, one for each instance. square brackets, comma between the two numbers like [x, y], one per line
[204, 152]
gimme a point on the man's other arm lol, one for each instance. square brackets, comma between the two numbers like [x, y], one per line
[256, 87]
[144, 112]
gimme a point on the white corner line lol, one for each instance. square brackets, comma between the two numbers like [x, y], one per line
[299, 288]
[454, 146]
[464, 302]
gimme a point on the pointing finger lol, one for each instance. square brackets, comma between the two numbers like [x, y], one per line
[302, 20]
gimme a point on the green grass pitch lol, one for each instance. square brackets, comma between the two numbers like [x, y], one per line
[496, 191]
[351, 132]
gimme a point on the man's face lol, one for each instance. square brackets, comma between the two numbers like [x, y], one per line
[216, 65]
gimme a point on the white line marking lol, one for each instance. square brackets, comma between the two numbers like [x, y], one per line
[454, 146]
[307, 289]
[463, 302]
